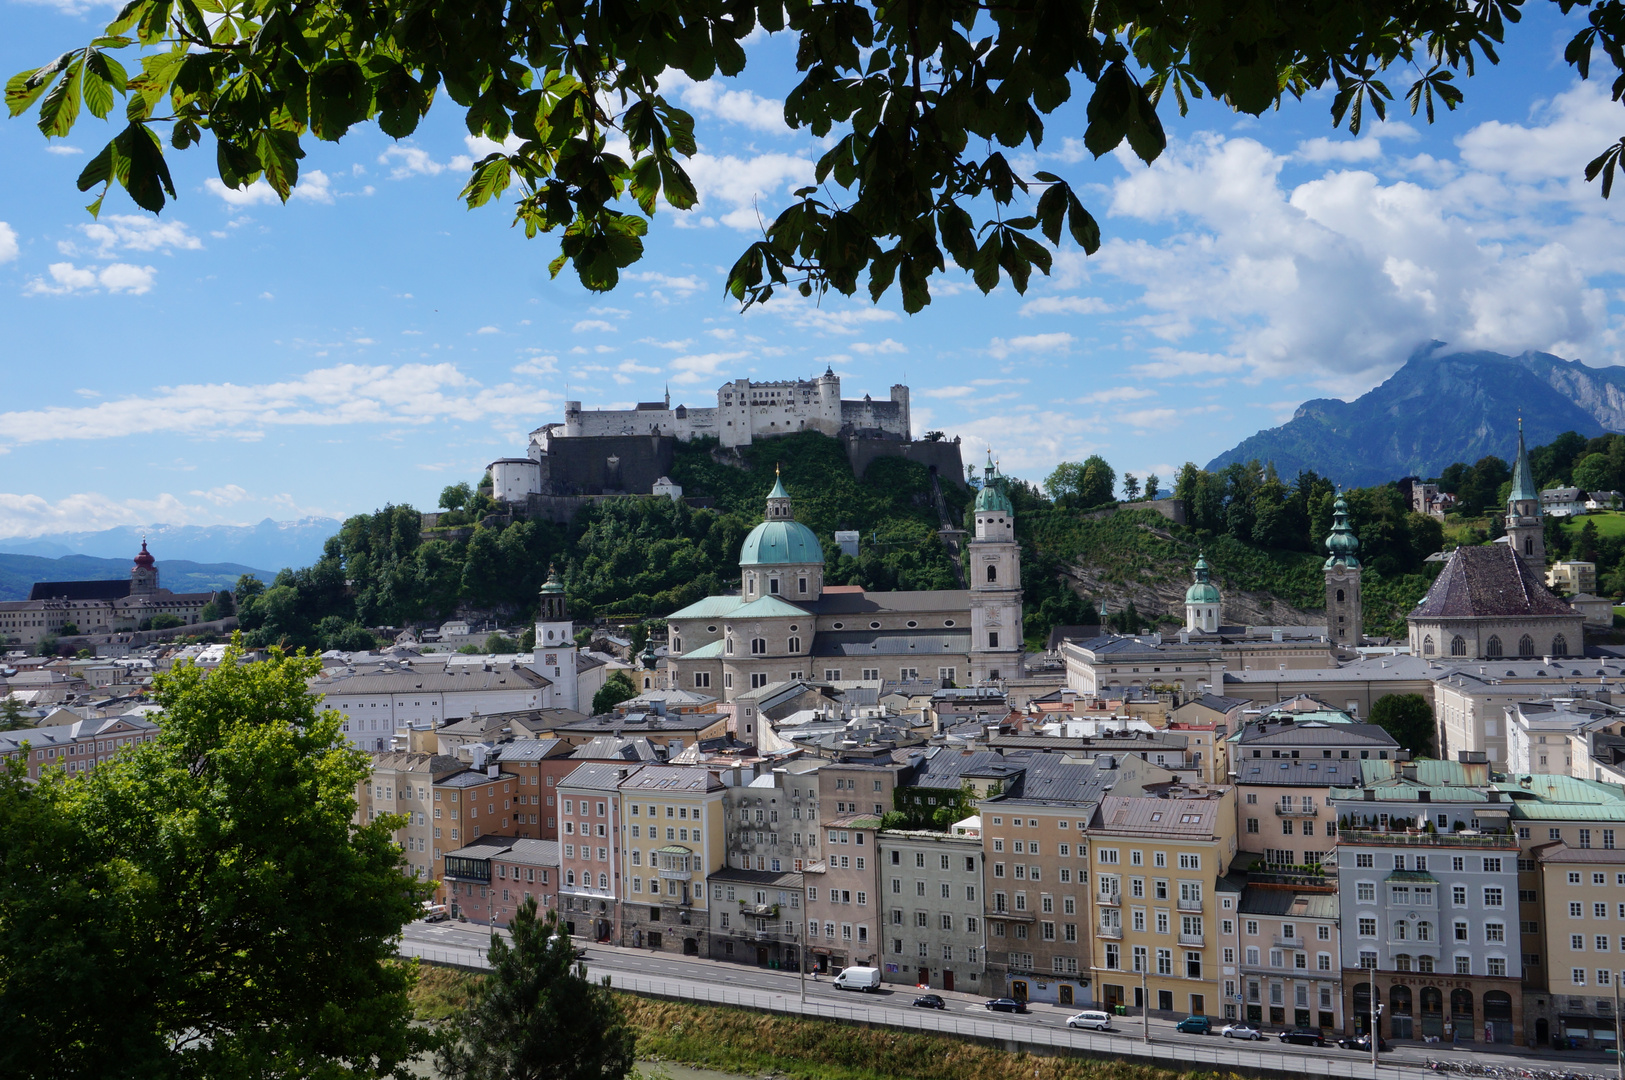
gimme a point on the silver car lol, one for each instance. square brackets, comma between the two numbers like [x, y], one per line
[1241, 1031]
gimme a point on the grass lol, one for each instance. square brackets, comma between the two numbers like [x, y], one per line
[1609, 523]
[746, 1043]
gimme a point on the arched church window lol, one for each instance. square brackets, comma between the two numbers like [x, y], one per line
[1427, 645]
[993, 573]
[1458, 646]
[729, 647]
[1526, 646]
[1529, 545]
[758, 646]
[794, 644]
[1339, 596]
[1492, 647]
[1560, 645]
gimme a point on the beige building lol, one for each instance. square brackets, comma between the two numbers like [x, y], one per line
[1286, 949]
[404, 784]
[1156, 899]
[1489, 604]
[676, 838]
[1572, 577]
[1470, 700]
[843, 901]
[1584, 919]
[55, 608]
[1283, 808]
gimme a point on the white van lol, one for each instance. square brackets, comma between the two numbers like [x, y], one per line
[866, 979]
[1090, 1018]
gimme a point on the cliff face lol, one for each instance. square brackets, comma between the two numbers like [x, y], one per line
[1166, 596]
[1439, 409]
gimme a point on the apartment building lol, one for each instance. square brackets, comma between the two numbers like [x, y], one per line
[843, 902]
[847, 787]
[77, 747]
[404, 784]
[590, 837]
[495, 874]
[1288, 951]
[676, 838]
[456, 796]
[379, 704]
[931, 895]
[1159, 860]
[1325, 734]
[537, 766]
[1283, 808]
[1035, 858]
[1556, 736]
[1427, 883]
[772, 822]
[1584, 892]
[755, 917]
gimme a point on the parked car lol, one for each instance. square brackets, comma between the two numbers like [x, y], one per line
[1195, 1025]
[930, 1001]
[1303, 1037]
[1363, 1042]
[1090, 1018]
[864, 979]
[1006, 1005]
[434, 912]
[1241, 1031]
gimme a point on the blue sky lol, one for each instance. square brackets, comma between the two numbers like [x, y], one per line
[374, 340]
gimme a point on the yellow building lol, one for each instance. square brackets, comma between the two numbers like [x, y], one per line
[1158, 861]
[674, 839]
[1583, 894]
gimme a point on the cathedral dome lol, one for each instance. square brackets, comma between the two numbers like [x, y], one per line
[1202, 591]
[780, 543]
[992, 497]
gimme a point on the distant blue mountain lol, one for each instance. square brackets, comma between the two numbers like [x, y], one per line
[18, 573]
[273, 544]
[1439, 409]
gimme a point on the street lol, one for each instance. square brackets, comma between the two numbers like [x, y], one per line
[465, 944]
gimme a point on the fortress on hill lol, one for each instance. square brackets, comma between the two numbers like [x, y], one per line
[605, 452]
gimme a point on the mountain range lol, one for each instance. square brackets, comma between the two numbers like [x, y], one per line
[270, 543]
[1438, 409]
[19, 572]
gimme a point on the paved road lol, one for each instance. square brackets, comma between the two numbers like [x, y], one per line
[465, 944]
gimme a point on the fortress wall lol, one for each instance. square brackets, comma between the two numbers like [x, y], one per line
[942, 456]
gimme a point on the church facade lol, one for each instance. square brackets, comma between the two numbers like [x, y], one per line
[95, 607]
[786, 624]
[1491, 602]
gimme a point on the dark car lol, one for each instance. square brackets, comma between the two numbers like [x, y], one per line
[1195, 1025]
[930, 1001]
[1363, 1042]
[1006, 1005]
[1303, 1037]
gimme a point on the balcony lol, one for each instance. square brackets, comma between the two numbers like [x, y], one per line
[1190, 905]
[676, 875]
[1197, 940]
[1283, 810]
[763, 911]
[1112, 899]
[1110, 933]
[1295, 943]
[1419, 839]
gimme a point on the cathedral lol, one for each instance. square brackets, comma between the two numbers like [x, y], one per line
[787, 624]
[1491, 602]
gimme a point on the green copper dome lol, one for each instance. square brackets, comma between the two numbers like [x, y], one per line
[1202, 591]
[992, 496]
[775, 543]
[1342, 543]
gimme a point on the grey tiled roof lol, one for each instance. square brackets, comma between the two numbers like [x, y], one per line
[927, 645]
[1297, 772]
[1488, 581]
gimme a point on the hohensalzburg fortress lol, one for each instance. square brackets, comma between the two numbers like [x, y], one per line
[746, 411]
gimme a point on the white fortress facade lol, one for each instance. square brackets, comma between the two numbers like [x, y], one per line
[746, 411]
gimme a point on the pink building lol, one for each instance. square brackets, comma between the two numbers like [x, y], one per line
[589, 897]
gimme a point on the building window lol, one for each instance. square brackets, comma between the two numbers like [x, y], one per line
[1458, 646]
[1560, 646]
[1492, 647]
[1526, 646]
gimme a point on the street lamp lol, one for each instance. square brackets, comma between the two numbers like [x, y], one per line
[1376, 1012]
[1145, 1005]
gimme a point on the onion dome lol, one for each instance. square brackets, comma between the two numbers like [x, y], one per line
[1342, 543]
[144, 559]
[1202, 591]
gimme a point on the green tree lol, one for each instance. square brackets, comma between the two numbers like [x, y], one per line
[248, 586]
[1064, 482]
[217, 876]
[1595, 472]
[1585, 547]
[1131, 487]
[1152, 486]
[167, 620]
[1098, 483]
[537, 1016]
[616, 689]
[1408, 718]
[11, 714]
[911, 99]
[500, 643]
[456, 496]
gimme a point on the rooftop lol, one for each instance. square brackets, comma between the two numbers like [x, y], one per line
[1488, 581]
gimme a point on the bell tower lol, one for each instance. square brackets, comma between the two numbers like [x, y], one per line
[1344, 625]
[1525, 532]
[144, 572]
[554, 657]
[993, 562]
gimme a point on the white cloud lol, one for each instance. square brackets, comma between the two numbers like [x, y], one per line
[1116, 393]
[1145, 419]
[593, 324]
[734, 106]
[879, 347]
[32, 515]
[1065, 305]
[948, 391]
[63, 149]
[224, 495]
[129, 232]
[698, 367]
[1344, 276]
[1031, 343]
[8, 243]
[1368, 148]
[313, 186]
[115, 278]
[838, 317]
[674, 346]
[408, 394]
[488, 330]
[537, 365]
[684, 286]
[752, 188]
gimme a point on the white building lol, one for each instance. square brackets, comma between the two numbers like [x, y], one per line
[378, 705]
[1554, 736]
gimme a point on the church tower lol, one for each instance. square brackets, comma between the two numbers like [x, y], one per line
[555, 654]
[144, 574]
[1203, 604]
[1525, 534]
[1343, 622]
[993, 562]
